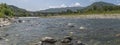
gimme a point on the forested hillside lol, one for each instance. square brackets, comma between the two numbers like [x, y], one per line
[19, 11]
[101, 7]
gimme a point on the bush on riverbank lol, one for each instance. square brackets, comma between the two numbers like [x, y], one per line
[5, 10]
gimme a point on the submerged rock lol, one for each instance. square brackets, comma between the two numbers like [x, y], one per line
[1, 38]
[82, 28]
[1, 25]
[71, 34]
[71, 25]
[5, 35]
[21, 21]
[6, 39]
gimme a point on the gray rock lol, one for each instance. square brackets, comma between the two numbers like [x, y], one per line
[39, 43]
[80, 43]
[71, 25]
[48, 40]
[65, 41]
[68, 37]
[21, 21]
[1, 38]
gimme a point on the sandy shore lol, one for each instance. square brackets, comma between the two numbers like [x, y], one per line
[29, 17]
[101, 16]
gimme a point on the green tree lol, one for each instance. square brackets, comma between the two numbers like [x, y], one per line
[69, 11]
[5, 10]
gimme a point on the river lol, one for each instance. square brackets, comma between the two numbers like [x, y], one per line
[96, 32]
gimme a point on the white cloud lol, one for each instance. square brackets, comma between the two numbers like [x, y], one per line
[60, 6]
[95, 0]
[52, 6]
[22, 0]
[63, 5]
[75, 5]
[92, 0]
[118, 3]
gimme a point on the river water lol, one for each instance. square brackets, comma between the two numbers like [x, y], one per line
[96, 32]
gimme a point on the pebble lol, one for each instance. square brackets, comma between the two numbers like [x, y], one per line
[6, 39]
[81, 28]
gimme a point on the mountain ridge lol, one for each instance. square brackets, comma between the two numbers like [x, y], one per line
[62, 9]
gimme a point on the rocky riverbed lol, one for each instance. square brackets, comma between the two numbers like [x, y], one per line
[4, 22]
[61, 31]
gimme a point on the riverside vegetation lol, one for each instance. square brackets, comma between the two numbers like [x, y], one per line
[5, 14]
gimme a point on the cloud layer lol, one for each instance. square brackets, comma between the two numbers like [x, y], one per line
[63, 5]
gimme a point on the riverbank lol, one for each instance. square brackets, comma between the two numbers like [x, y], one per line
[4, 22]
[91, 16]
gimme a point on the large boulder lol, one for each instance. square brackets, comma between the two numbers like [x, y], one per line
[48, 40]
[80, 43]
[38, 43]
[67, 39]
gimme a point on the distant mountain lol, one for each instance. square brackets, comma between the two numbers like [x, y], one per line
[19, 11]
[102, 4]
[16, 8]
[96, 7]
[62, 9]
[99, 6]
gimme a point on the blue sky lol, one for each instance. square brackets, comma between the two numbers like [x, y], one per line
[35, 5]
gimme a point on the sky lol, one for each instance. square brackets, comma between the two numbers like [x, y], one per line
[35, 5]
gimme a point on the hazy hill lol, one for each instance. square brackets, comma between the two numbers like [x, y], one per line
[97, 7]
[19, 11]
[62, 9]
